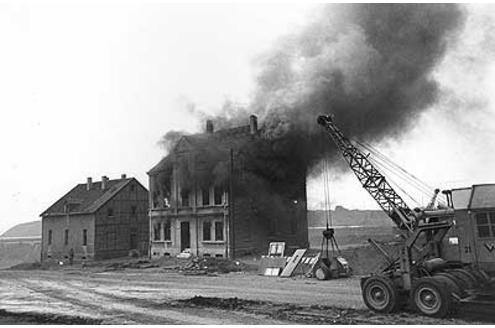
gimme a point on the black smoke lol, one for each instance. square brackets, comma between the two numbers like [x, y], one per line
[370, 65]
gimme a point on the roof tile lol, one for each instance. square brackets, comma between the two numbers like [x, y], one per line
[81, 200]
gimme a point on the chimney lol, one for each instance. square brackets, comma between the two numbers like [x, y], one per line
[209, 126]
[253, 124]
[89, 183]
[104, 182]
[123, 176]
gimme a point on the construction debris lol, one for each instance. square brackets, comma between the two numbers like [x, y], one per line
[274, 262]
[293, 262]
[208, 265]
[271, 266]
[276, 249]
[308, 314]
[139, 264]
[185, 254]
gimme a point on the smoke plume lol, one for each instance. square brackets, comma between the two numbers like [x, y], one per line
[368, 64]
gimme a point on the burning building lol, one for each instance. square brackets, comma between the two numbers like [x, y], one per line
[231, 191]
[226, 193]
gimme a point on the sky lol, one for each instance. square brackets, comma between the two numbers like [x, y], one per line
[88, 89]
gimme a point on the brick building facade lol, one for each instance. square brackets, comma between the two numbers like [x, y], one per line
[97, 220]
[205, 197]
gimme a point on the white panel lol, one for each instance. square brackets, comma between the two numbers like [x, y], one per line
[461, 197]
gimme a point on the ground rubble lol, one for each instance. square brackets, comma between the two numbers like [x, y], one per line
[29, 318]
[307, 314]
[187, 291]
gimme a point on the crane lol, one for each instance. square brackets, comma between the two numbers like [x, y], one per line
[420, 274]
[371, 179]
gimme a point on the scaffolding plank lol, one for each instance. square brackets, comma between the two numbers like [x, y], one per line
[293, 262]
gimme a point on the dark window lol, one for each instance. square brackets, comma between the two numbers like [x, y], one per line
[66, 237]
[133, 187]
[218, 230]
[110, 212]
[206, 230]
[49, 237]
[156, 197]
[156, 231]
[206, 197]
[218, 195]
[185, 197]
[133, 210]
[85, 237]
[167, 231]
[483, 223]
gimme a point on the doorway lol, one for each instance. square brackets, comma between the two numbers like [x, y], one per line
[185, 236]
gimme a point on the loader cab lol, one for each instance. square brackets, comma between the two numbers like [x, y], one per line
[471, 239]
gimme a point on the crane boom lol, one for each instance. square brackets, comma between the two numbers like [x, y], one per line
[370, 178]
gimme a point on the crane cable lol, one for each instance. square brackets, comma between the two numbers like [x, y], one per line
[386, 164]
[377, 155]
[328, 238]
[421, 185]
[326, 184]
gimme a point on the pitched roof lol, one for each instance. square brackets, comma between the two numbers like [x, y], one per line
[220, 141]
[83, 201]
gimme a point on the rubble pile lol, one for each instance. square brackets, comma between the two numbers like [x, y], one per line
[212, 265]
[29, 266]
[310, 314]
[139, 264]
[30, 318]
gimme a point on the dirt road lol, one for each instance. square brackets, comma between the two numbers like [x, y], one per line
[156, 296]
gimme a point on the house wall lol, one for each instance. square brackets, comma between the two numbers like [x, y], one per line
[196, 215]
[254, 225]
[58, 250]
[116, 227]
[250, 220]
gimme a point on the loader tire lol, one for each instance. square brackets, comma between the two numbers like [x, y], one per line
[468, 280]
[453, 289]
[460, 280]
[473, 282]
[380, 294]
[431, 297]
[480, 275]
[450, 282]
[461, 285]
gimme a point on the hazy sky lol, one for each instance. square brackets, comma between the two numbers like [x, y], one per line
[89, 89]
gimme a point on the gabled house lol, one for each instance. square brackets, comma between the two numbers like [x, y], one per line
[97, 220]
[210, 197]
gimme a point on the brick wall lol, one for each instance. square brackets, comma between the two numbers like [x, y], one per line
[264, 211]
